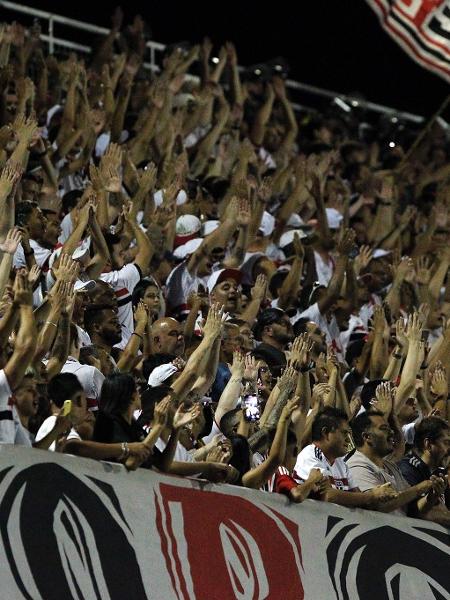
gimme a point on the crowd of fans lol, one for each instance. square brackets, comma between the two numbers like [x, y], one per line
[195, 280]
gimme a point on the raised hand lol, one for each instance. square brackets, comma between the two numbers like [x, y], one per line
[67, 269]
[186, 415]
[400, 335]
[251, 368]
[291, 405]
[10, 175]
[347, 242]
[439, 383]
[34, 274]
[12, 240]
[423, 271]
[214, 321]
[320, 393]
[413, 328]
[110, 165]
[161, 413]
[23, 294]
[147, 178]
[141, 314]
[363, 259]
[259, 290]
[384, 398]
[238, 365]
[244, 214]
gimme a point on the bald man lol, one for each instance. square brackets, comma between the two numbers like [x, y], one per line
[168, 337]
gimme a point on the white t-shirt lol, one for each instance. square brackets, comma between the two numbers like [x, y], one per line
[312, 457]
[41, 255]
[181, 454]
[123, 283]
[324, 269]
[48, 426]
[66, 229]
[90, 378]
[180, 284]
[11, 429]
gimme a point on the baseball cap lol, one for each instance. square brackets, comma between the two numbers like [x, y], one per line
[288, 237]
[221, 275]
[188, 248]
[160, 374]
[187, 225]
[79, 252]
[267, 224]
[84, 286]
[334, 218]
[210, 226]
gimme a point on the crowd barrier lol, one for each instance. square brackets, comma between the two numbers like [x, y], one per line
[79, 529]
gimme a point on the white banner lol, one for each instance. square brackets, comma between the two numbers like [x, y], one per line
[79, 529]
[421, 28]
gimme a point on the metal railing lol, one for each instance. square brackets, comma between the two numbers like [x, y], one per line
[345, 101]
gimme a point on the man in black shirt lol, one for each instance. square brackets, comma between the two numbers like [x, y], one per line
[430, 455]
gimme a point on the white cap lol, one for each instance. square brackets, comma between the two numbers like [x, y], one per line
[188, 248]
[334, 218]
[210, 226]
[79, 251]
[267, 224]
[380, 252]
[221, 275]
[295, 221]
[288, 237]
[52, 112]
[158, 198]
[84, 286]
[188, 225]
[102, 143]
[160, 374]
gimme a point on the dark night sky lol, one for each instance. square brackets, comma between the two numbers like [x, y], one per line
[334, 44]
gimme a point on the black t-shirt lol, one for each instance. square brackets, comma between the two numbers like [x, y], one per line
[112, 429]
[413, 469]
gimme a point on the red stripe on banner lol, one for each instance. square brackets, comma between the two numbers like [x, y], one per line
[405, 41]
[122, 292]
[402, 14]
[414, 51]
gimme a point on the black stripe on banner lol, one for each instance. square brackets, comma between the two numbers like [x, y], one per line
[414, 35]
[6, 415]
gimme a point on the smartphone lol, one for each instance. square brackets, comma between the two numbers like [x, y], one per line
[67, 408]
[252, 407]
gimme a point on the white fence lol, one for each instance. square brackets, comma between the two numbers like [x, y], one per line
[77, 529]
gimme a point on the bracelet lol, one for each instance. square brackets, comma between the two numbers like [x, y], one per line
[423, 366]
[125, 451]
[385, 203]
[51, 323]
[307, 368]
[138, 335]
[397, 356]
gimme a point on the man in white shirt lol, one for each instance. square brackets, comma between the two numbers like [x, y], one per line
[331, 439]
[90, 378]
[374, 440]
